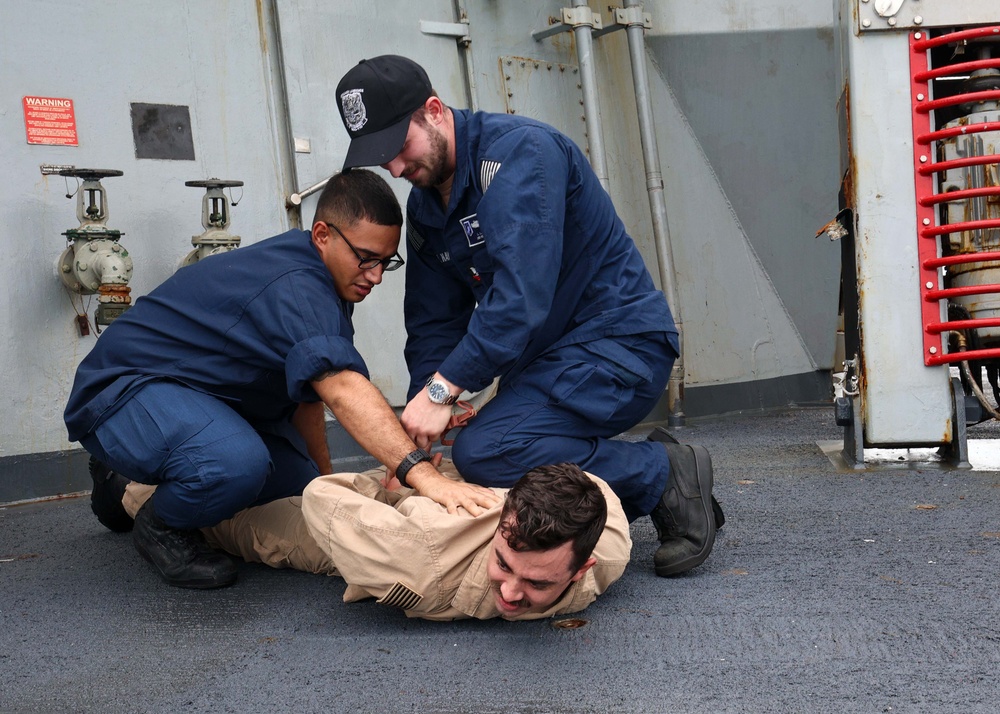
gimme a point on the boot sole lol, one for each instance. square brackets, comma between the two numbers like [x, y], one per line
[703, 463]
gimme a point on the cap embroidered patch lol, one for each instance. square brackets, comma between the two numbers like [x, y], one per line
[401, 596]
[355, 115]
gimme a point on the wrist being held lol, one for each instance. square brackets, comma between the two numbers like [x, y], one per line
[441, 391]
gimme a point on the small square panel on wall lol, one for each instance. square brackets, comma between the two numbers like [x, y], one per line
[162, 131]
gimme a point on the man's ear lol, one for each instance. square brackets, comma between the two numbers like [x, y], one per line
[590, 563]
[320, 234]
[435, 110]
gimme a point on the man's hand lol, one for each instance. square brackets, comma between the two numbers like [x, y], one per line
[424, 421]
[364, 413]
[451, 494]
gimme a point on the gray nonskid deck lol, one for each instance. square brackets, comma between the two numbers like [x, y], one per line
[869, 591]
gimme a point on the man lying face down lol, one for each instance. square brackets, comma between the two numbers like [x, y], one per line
[557, 541]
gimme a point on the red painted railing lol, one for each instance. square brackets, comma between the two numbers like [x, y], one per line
[925, 168]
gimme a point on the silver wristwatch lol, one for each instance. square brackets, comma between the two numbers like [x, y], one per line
[437, 392]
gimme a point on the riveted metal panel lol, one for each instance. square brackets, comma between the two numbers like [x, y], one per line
[547, 91]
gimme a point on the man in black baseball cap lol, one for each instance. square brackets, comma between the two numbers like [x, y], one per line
[519, 267]
[376, 99]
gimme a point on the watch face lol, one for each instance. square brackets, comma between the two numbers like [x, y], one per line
[437, 392]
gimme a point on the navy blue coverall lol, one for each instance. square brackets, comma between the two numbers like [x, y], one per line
[194, 387]
[529, 275]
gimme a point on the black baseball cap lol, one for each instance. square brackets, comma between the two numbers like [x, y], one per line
[376, 99]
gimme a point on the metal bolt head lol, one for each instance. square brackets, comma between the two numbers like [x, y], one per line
[920, 97]
[927, 221]
[933, 350]
[866, 23]
[929, 285]
[891, 21]
[923, 159]
[917, 35]
[918, 20]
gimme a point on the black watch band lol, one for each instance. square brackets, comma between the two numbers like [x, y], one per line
[412, 459]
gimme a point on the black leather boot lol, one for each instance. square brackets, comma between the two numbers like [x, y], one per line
[685, 519]
[182, 557]
[106, 498]
[662, 435]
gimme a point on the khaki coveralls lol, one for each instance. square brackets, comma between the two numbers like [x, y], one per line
[403, 549]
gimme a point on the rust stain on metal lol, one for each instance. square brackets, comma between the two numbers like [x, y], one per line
[261, 28]
[847, 183]
[116, 293]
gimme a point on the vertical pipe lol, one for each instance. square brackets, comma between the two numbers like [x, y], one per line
[591, 109]
[470, 68]
[658, 208]
[277, 105]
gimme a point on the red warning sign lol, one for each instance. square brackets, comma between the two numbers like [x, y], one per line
[48, 120]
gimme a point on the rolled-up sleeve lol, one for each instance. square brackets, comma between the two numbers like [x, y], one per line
[306, 327]
[315, 356]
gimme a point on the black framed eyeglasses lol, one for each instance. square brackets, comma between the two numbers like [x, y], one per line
[393, 263]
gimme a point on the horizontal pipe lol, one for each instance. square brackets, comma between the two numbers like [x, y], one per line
[959, 195]
[935, 295]
[928, 107]
[958, 227]
[956, 69]
[973, 34]
[936, 328]
[958, 131]
[970, 355]
[928, 169]
[960, 259]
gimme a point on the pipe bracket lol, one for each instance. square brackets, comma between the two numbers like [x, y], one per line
[570, 19]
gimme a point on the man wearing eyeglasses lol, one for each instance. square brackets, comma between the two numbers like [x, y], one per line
[213, 386]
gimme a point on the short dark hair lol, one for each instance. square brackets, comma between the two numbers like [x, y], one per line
[551, 505]
[358, 194]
